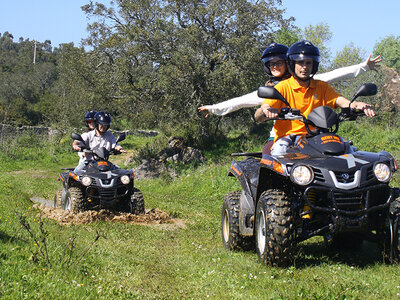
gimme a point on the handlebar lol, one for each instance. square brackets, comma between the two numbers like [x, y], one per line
[288, 113]
[350, 114]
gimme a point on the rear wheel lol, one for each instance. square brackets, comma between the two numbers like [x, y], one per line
[73, 200]
[231, 237]
[136, 202]
[274, 230]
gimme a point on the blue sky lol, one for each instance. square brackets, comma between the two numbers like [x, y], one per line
[362, 22]
[357, 21]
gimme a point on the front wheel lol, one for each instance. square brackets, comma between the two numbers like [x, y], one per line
[57, 199]
[136, 202]
[73, 200]
[274, 229]
[392, 241]
[231, 237]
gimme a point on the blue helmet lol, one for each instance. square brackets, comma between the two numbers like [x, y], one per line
[89, 116]
[300, 51]
[102, 118]
[274, 50]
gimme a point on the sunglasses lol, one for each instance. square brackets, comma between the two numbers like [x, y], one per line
[279, 63]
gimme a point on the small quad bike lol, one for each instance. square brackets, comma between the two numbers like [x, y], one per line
[100, 184]
[323, 186]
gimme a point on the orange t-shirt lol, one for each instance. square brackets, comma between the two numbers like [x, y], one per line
[318, 93]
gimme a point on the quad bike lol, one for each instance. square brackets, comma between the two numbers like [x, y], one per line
[323, 186]
[100, 184]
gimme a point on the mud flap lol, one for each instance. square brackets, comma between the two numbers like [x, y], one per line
[246, 215]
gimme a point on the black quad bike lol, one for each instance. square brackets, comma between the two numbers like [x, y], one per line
[323, 186]
[100, 184]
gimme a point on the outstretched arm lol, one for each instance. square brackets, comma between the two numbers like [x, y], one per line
[351, 71]
[231, 105]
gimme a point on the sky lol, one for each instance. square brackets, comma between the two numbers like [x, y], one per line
[360, 22]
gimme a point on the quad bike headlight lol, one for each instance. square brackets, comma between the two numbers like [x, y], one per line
[302, 175]
[125, 179]
[382, 172]
[86, 181]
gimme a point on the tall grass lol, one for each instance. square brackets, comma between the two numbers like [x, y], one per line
[166, 262]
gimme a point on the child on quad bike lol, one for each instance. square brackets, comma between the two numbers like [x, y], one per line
[99, 137]
[89, 122]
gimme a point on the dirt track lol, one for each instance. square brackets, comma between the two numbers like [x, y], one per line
[154, 217]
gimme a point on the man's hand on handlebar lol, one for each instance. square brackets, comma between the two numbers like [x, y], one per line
[120, 149]
[364, 107]
[76, 146]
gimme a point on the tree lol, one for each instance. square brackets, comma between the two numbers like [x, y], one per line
[168, 57]
[319, 35]
[21, 82]
[349, 55]
[389, 49]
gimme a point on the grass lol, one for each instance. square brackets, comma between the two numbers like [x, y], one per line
[151, 262]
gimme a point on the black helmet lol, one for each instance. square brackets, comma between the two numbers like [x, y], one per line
[274, 50]
[89, 116]
[300, 51]
[102, 118]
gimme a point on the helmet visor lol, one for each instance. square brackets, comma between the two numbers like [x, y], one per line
[268, 58]
[301, 56]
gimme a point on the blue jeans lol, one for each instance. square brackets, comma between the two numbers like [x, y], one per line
[80, 166]
[281, 145]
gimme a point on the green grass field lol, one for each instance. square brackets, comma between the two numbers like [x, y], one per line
[129, 261]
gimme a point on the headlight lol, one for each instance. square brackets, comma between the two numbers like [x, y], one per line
[125, 179]
[86, 181]
[302, 175]
[382, 172]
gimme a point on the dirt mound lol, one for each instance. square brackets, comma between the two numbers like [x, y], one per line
[150, 217]
[390, 93]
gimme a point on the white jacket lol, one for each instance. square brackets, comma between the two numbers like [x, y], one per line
[251, 99]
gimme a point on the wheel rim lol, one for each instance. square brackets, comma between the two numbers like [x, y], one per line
[261, 232]
[225, 225]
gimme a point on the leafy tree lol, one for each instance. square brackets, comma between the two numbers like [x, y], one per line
[165, 58]
[389, 49]
[348, 56]
[319, 35]
[21, 81]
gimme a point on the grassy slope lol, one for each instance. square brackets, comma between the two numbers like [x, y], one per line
[134, 261]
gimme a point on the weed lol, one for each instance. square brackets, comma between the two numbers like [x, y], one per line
[40, 252]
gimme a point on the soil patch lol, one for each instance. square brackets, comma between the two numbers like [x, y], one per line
[153, 217]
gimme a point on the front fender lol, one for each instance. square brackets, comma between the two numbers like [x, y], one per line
[246, 172]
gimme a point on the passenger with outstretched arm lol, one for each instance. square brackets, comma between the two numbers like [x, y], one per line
[303, 92]
[274, 62]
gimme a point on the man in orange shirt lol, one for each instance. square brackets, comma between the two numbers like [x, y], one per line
[304, 93]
